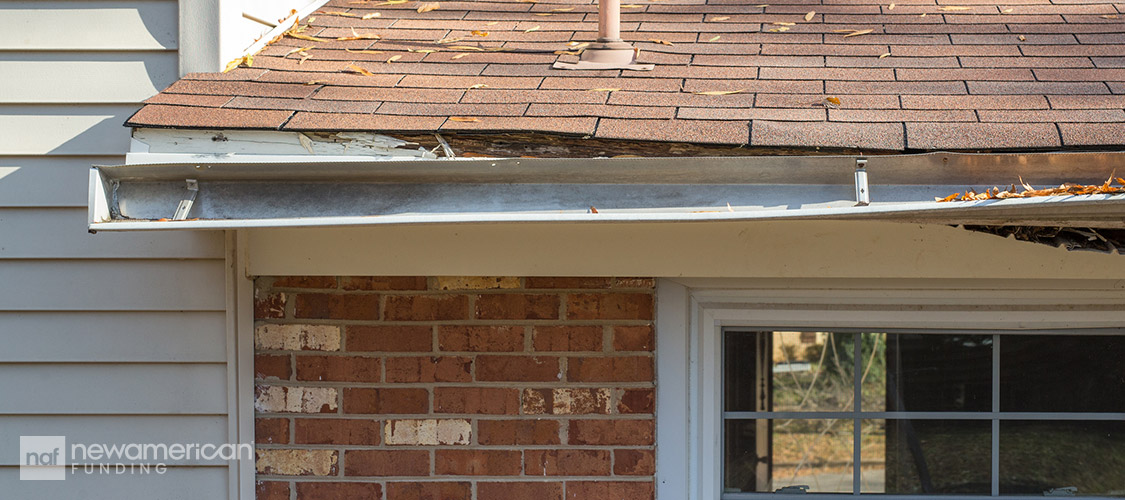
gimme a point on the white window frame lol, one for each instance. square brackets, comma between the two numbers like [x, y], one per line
[692, 314]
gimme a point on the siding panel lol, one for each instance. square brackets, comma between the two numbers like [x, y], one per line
[114, 336]
[60, 233]
[113, 388]
[36, 181]
[61, 129]
[75, 77]
[142, 25]
[90, 429]
[74, 285]
[177, 484]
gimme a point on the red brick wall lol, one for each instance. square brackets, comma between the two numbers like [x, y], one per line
[448, 388]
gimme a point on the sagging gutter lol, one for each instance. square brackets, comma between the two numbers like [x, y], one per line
[239, 192]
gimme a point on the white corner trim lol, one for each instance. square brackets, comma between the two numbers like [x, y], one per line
[672, 378]
[240, 362]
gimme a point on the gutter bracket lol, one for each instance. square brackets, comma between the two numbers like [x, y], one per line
[862, 190]
[184, 207]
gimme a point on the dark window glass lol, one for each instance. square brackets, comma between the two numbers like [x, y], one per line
[1038, 456]
[939, 372]
[741, 385]
[768, 455]
[1062, 373]
[919, 457]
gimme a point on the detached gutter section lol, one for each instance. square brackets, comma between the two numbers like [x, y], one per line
[220, 194]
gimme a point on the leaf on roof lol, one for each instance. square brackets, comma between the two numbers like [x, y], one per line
[246, 60]
[715, 38]
[479, 33]
[954, 7]
[338, 13]
[923, 15]
[1022, 38]
[357, 36]
[426, 7]
[463, 119]
[316, 82]
[451, 40]
[493, 23]
[884, 55]
[779, 30]
[533, 28]
[1006, 11]
[1108, 16]
[464, 47]
[661, 42]
[563, 9]
[781, 23]
[602, 90]
[364, 51]
[351, 68]
[720, 18]
[858, 33]
[478, 86]
[762, 5]
[544, 14]
[458, 56]
[372, 15]
[835, 101]
[720, 92]
[632, 6]
[567, 52]
[394, 58]
[392, 2]
[298, 49]
[891, 7]
[420, 51]
[810, 15]
[300, 36]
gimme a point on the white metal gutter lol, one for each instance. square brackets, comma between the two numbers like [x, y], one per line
[316, 193]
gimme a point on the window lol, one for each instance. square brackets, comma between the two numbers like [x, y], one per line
[922, 412]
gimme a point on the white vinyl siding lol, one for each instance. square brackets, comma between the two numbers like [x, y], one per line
[107, 337]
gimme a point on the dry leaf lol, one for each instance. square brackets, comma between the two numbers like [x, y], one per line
[810, 15]
[351, 68]
[720, 18]
[858, 32]
[1108, 16]
[421, 51]
[394, 58]
[357, 36]
[450, 40]
[306, 37]
[464, 47]
[372, 15]
[720, 92]
[884, 55]
[780, 23]
[337, 13]
[478, 86]
[1005, 11]
[662, 42]
[298, 49]
[891, 7]
[833, 100]
[247, 60]
[762, 5]
[364, 51]
[563, 9]
[603, 90]
[593, 210]
[1012, 191]
[715, 38]
[463, 119]
[392, 2]
[778, 30]
[954, 7]
[544, 14]
[493, 23]
[426, 7]
[529, 30]
[458, 56]
[479, 33]
[1022, 38]
[632, 6]
[923, 15]
[316, 82]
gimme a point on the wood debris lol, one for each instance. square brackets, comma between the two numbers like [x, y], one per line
[1025, 190]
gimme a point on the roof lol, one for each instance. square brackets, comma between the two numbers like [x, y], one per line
[960, 74]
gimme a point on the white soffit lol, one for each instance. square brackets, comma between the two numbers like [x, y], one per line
[313, 192]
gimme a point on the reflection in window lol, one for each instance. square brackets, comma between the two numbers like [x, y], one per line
[1087, 456]
[911, 457]
[768, 455]
[1062, 373]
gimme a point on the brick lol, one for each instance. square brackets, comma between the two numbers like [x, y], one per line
[297, 337]
[271, 430]
[387, 401]
[476, 282]
[646, 283]
[517, 432]
[868, 136]
[634, 462]
[304, 282]
[609, 306]
[477, 462]
[517, 306]
[428, 432]
[577, 282]
[333, 306]
[601, 490]
[988, 136]
[390, 338]
[271, 490]
[276, 399]
[566, 401]
[336, 431]
[568, 338]
[339, 368]
[567, 462]
[612, 432]
[477, 400]
[269, 306]
[637, 401]
[519, 491]
[481, 338]
[271, 366]
[610, 369]
[326, 491]
[384, 283]
[296, 462]
[427, 307]
[429, 369]
[429, 491]
[518, 369]
[388, 463]
[633, 338]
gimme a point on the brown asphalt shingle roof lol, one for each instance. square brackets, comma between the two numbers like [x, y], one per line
[1019, 74]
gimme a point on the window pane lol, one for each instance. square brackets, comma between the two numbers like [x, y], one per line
[767, 455]
[917, 457]
[1062, 373]
[788, 371]
[936, 372]
[1037, 456]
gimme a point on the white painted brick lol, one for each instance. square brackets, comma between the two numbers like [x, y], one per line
[297, 337]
